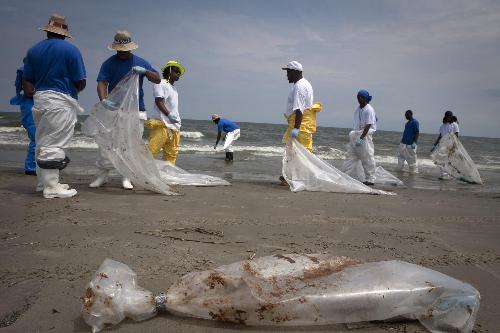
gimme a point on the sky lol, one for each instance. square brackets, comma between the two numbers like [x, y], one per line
[428, 55]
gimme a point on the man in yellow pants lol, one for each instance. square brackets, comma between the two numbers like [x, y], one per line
[164, 122]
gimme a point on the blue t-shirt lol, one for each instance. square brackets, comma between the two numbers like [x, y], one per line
[226, 125]
[410, 132]
[114, 69]
[54, 64]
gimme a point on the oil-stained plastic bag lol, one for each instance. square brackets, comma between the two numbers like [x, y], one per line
[451, 155]
[117, 130]
[290, 290]
[304, 171]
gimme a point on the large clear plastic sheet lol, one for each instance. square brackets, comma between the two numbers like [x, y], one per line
[117, 130]
[304, 171]
[173, 175]
[290, 290]
[451, 155]
[354, 168]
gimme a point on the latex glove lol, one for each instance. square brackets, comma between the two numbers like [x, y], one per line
[173, 119]
[295, 133]
[359, 142]
[109, 104]
[413, 146]
[139, 70]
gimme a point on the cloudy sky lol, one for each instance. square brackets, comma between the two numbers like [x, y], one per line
[426, 55]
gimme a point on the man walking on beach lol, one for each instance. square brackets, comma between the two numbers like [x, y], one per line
[232, 134]
[54, 74]
[408, 146]
[360, 147]
[112, 71]
[164, 121]
[26, 104]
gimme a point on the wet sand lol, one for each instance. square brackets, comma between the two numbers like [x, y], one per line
[50, 248]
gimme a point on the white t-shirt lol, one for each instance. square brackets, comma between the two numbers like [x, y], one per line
[171, 99]
[448, 128]
[300, 97]
[363, 117]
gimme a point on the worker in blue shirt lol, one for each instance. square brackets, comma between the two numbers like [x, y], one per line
[54, 74]
[111, 72]
[26, 103]
[232, 134]
[408, 147]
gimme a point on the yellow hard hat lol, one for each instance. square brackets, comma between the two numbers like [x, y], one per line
[173, 63]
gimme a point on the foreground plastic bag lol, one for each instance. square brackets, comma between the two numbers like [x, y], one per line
[292, 289]
[173, 175]
[354, 168]
[451, 155]
[304, 171]
[118, 131]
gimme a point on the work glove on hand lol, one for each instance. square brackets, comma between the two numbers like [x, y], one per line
[173, 119]
[295, 133]
[139, 70]
[359, 142]
[109, 104]
[414, 146]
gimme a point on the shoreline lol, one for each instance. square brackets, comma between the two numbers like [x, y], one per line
[51, 248]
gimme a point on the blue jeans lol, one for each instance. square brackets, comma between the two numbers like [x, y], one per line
[29, 124]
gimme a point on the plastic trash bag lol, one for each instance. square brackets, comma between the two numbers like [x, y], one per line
[173, 175]
[451, 155]
[304, 171]
[354, 168]
[117, 130]
[290, 290]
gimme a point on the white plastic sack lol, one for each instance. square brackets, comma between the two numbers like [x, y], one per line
[290, 290]
[304, 171]
[118, 132]
[173, 175]
[353, 167]
[451, 155]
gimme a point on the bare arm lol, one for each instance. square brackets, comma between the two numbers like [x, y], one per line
[153, 77]
[365, 131]
[218, 138]
[298, 118]
[28, 88]
[161, 105]
[102, 89]
[437, 141]
[80, 85]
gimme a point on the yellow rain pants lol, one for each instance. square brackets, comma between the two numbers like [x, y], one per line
[307, 127]
[161, 137]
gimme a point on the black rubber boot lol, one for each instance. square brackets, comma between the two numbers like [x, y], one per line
[227, 156]
[231, 156]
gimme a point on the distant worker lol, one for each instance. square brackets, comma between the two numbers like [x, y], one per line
[164, 121]
[54, 74]
[232, 134]
[26, 103]
[111, 72]
[360, 147]
[408, 146]
[449, 126]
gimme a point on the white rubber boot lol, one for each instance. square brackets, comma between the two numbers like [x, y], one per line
[52, 188]
[126, 184]
[39, 184]
[101, 179]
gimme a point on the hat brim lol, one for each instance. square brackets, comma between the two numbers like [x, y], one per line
[181, 69]
[56, 30]
[123, 47]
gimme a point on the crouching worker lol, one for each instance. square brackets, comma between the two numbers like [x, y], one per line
[54, 73]
[232, 134]
[164, 122]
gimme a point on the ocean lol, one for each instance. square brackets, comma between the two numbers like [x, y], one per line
[258, 153]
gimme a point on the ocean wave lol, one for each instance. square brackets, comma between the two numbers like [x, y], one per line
[191, 135]
[4, 129]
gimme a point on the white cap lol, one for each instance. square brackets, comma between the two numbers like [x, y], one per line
[294, 65]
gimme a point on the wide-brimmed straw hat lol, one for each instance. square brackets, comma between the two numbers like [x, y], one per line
[58, 25]
[215, 117]
[123, 42]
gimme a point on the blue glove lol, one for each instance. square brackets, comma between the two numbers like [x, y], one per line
[139, 70]
[413, 146]
[295, 133]
[109, 104]
[359, 142]
[173, 119]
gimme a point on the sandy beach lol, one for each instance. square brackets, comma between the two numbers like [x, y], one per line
[51, 248]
